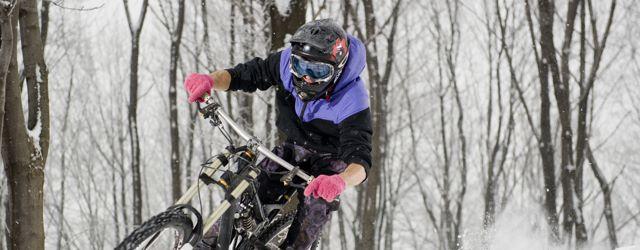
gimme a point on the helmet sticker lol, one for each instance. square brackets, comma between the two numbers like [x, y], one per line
[338, 48]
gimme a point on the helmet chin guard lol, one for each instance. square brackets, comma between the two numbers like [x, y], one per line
[309, 92]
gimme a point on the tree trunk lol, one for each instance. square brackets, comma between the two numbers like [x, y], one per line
[245, 101]
[607, 190]
[560, 77]
[369, 213]
[6, 52]
[133, 132]
[25, 148]
[493, 147]
[176, 38]
[3, 229]
[7, 47]
[370, 202]
[232, 53]
[343, 232]
[456, 236]
[281, 25]
[136, 30]
[44, 21]
[379, 89]
[545, 145]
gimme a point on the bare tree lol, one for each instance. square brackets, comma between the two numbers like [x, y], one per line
[571, 168]
[26, 144]
[545, 143]
[503, 137]
[451, 53]
[607, 189]
[6, 51]
[112, 153]
[174, 28]
[280, 26]
[193, 114]
[446, 217]
[136, 29]
[379, 72]
[245, 101]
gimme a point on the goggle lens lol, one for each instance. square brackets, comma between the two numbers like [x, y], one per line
[315, 70]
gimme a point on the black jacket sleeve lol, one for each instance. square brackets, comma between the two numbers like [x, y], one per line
[355, 139]
[255, 74]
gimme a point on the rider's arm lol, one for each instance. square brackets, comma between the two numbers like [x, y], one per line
[355, 146]
[255, 74]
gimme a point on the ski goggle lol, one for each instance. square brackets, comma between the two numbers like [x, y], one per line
[318, 71]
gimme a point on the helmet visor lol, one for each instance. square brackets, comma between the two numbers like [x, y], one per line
[318, 71]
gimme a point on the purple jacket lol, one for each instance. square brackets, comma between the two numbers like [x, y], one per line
[340, 126]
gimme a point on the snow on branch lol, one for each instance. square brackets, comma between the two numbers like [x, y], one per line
[58, 3]
[7, 6]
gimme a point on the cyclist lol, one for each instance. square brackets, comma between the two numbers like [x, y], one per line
[323, 111]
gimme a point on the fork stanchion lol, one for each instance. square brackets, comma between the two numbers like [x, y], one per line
[226, 204]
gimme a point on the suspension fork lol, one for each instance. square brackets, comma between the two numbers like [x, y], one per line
[242, 181]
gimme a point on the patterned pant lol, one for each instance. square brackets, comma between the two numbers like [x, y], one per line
[313, 213]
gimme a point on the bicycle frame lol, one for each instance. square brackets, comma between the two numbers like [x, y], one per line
[214, 111]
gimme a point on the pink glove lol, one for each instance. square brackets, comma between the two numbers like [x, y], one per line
[197, 85]
[327, 187]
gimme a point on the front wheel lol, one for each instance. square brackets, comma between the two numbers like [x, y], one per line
[155, 229]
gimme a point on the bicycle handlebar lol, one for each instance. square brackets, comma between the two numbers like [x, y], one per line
[253, 141]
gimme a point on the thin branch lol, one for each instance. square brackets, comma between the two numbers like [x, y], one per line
[58, 3]
[322, 7]
[598, 47]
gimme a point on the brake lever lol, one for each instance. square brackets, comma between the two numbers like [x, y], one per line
[288, 178]
[298, 186]
[209, 112]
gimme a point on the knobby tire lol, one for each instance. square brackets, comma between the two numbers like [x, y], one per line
[175, 219]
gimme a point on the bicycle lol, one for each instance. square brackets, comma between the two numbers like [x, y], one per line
[245, 223]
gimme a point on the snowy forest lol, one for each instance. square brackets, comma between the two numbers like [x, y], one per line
[498, 124]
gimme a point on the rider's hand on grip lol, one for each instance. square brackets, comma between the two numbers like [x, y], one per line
[197, 85]
[327, 187]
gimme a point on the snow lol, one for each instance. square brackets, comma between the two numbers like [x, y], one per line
[37, 129]
[571, 167]
[35, 133]
[5, 3]
[636, 247]
[514, 229]
[283, 7]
